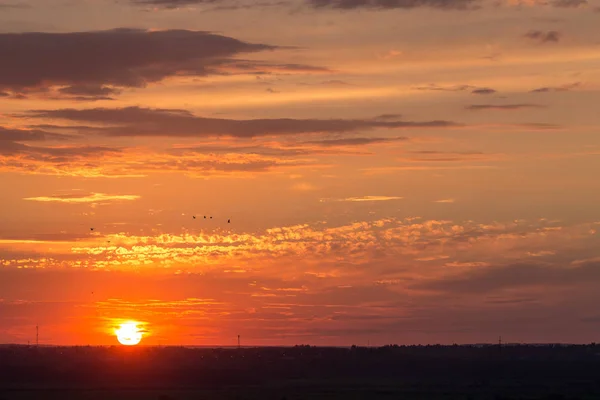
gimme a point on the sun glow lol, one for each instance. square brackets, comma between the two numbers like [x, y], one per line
[129, 334]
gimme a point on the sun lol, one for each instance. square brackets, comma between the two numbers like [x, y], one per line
[129, 334]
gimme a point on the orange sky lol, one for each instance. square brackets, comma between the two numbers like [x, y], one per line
[394, 171]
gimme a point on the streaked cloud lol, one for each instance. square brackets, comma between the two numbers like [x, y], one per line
[569, 3]
[137, 121]
[505, 107]
[321, 4]
[77, 198]
[544, 37]
[365, 199]
[484, 91]
[393, 4]
[561, 88]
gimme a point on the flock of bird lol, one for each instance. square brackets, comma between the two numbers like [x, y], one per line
[193, 217]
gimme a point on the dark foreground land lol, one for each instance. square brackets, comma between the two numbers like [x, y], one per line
[302, 372]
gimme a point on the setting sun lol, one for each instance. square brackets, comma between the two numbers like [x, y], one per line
[129, 334]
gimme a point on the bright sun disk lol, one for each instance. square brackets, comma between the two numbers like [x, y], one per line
[129, 334]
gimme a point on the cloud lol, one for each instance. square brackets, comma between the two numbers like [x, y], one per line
[544, 37]
[505, 107]
[101, 162]
[484, 91]
[468, 264]
[367, 243]
[569, 3]
[78, 198]
[365, 199]
[562, 88]
[392, 4]
[8, 6]
[434, 87]
[445, 201]
[172, 4]
[89, 92]
[321, 4]
[449, 156]
[136, 121]
[22, 135]
[513, 276]
[361, 141]
[121, 58]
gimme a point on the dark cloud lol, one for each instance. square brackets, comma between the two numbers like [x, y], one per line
[569, 3]
[8, 6]
[320, 4]
[563, 88]
[391, 4]
[10, 140]
[256, 4]
[332, 82]
[53, 154]
[335, 82]
[259, 150]
[478, 107]
[136, 121]
[90, 92]
[447, 156]
[4, 94]
[22, 135]
[484, 91]
[514, 276]
[265, 68]
[172, 4]
[544, 37]
[89, 61]
[538, 126]
[354, 141]
[456, 88]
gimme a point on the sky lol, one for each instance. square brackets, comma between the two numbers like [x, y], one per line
[393, 171]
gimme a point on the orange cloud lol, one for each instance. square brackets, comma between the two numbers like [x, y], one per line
[83, 198]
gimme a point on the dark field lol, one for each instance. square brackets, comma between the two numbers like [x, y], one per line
[420, 372]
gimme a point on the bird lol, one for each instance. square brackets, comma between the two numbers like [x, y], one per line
[205, 217]
[210, 217]
[91, 229]
[228, 221]
[194, 217]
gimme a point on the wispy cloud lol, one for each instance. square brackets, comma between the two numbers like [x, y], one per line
[77, 198]
[544, 37]
[445, 201]
[321, 4]
[137, 121]
[503, 107]
[484, 91]
[562, 88]
[393, 4]
[570, 3]
[365, 198]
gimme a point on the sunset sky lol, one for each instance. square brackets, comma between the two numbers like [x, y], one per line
[395, 171]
